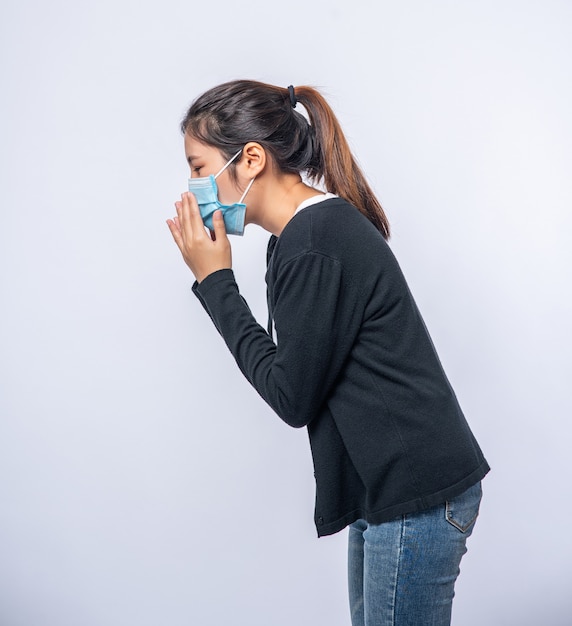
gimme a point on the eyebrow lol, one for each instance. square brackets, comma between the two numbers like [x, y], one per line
[191, 157]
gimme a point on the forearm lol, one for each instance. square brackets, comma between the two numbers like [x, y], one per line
[290, 378]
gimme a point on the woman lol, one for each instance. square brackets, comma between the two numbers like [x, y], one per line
[352, 360]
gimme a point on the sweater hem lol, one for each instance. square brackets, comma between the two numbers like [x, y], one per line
[413, 506]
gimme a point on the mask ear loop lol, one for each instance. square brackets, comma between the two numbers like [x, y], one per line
[227, 164]
[246, 190]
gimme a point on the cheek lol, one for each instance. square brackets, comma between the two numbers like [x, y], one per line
[223, 195]
[227, 191]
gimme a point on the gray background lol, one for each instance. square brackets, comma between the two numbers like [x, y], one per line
[142, 481]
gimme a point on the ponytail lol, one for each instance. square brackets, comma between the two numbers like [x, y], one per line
[334, 162]
[232, 114]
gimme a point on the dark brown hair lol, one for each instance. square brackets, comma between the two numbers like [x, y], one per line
[232, 114]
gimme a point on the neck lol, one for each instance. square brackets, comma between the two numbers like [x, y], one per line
[275, 201]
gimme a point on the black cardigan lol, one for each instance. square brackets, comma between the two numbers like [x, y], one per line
[353, 362]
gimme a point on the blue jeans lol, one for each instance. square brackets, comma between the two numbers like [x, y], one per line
[403, 572]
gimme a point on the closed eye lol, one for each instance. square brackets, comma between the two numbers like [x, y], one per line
[195, 169]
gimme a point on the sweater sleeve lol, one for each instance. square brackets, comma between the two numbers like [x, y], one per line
[294, 375]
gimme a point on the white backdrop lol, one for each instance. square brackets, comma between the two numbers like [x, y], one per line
[142, 481]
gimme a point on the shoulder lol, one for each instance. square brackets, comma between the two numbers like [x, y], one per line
[333, 228]
[327, 215]
[336, 229]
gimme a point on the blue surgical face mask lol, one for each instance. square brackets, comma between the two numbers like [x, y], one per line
[205, 191]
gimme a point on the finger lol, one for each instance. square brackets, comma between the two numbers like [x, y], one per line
[177, 224]
[177, 220]
[176, 232]
[183, 217]
[194, 215]
[219, 233]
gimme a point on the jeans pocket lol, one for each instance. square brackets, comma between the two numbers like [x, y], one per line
[462, 511]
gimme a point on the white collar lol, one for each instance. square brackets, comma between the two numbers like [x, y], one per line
[314, 200]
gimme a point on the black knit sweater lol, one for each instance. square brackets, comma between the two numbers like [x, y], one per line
[353, 362]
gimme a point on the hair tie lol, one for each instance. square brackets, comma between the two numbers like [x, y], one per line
[293, 100]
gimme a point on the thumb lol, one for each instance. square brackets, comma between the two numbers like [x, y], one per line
[219, 227]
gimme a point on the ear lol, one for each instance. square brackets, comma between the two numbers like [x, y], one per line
[253, 160]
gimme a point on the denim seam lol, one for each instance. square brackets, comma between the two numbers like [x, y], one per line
[451, 520]
[397, 569]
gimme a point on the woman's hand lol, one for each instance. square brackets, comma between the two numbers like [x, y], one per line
[203, 254]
